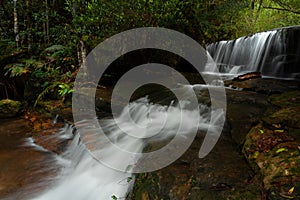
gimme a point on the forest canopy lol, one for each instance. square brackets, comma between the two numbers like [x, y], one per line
[46, 41]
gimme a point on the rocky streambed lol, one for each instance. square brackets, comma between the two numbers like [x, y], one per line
[257, 156]
[25, 167]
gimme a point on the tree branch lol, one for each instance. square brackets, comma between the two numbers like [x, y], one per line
[283, 9]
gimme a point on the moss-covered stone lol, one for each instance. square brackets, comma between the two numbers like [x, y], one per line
[145, 187]
[287, 99]
[285, 117]
[273, 147]
[9, 108]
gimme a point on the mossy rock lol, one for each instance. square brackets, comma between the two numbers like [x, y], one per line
[284, 117]
[287, 99]
[9, 108]
[275, 155]
[146, 187]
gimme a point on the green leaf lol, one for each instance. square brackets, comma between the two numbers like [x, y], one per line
[256, 154]
[279, 131]
[281, 150]
[261, 131]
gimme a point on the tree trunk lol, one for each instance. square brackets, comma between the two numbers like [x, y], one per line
[252, 13]
[28, 25]
[16, 25]
[47, 22]
[81, 53]
[252, 4]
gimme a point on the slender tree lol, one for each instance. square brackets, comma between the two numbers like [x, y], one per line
[16, 24]
[47, 22]
[29, 24]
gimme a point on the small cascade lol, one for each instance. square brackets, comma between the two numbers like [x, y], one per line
[86, 178]
[274, 53]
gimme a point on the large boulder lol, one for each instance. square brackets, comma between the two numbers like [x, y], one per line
[9, 108]
[272, 147]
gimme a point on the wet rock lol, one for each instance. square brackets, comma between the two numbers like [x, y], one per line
[244, 109]
[44, 131]
[273, 147]
[222, 174]
[286, 99]
[24, 170]
[247, 76]
[264, 85]
[9, 108]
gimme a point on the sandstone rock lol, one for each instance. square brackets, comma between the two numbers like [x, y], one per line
[247, 76]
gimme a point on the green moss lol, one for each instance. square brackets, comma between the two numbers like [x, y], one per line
[285, 117]
[286, 99]
[145, 185]
[275, 149]
[9, 108]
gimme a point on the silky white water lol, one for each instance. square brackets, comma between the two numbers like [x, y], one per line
[85, 178]
[274, 53]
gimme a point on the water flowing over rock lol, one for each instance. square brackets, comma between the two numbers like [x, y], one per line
[274, 53]
[102, 178]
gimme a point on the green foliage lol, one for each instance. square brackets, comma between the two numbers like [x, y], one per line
[16, 69]
[50, 77]
[50, 35]
[64, 89]
[269, 14]
[22, 67]
[44, 92]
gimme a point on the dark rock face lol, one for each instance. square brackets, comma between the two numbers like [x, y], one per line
[264, 125]
[273, 53]
[264, 85]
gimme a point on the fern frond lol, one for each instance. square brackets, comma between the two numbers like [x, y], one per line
[44, 92]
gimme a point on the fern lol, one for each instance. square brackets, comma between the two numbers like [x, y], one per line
[64, 89]
[16, 69]
[44, 92]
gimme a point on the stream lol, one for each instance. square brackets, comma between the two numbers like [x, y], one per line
[26, 168]
[30, 171]
[75, 174]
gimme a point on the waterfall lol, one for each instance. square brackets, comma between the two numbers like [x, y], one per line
[85, 178]
[274, 53]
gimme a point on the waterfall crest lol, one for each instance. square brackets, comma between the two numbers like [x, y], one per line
[274, 53]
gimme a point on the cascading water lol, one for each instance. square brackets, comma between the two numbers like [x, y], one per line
[274, 53]
[85, 178]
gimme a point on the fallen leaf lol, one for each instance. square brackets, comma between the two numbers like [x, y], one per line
[279, 131]
[281, 150]
[291, 190]
[261, 131]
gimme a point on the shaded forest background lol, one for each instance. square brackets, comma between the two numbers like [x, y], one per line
[43, 43]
